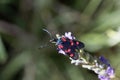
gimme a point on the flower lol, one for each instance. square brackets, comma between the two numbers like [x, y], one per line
[69, 35]
[61, 51]
[104, 61]
[74, 49]
[110, 71]
[107, 74]
[103, 77]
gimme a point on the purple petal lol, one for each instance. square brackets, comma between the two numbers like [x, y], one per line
[103, 60]
[103, 77]
[61, 51]
[110, 71]
[68, 35]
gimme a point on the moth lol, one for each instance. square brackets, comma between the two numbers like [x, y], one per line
[67, 44]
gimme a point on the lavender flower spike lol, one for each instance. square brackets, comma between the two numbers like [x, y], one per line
[102, 77]
[108, 74]
[74, 49]
[110, 71]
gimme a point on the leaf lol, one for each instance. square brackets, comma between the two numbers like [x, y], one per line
[3, 55]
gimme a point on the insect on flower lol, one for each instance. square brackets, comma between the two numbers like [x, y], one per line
[74, 49]
[67, 44]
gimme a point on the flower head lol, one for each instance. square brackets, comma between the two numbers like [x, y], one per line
[74, 49]
[69, 35]
[110, 72]
[107, 74]
[103, 77]
[104, 61]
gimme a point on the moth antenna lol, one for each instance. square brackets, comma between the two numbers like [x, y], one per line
[48, 33]
[47, 44]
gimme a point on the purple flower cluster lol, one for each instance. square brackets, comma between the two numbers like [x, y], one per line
[108, 74]
[68, 45]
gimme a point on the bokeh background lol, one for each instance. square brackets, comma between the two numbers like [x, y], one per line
[94, 22]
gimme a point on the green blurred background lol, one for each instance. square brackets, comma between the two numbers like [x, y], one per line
[94, 22]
